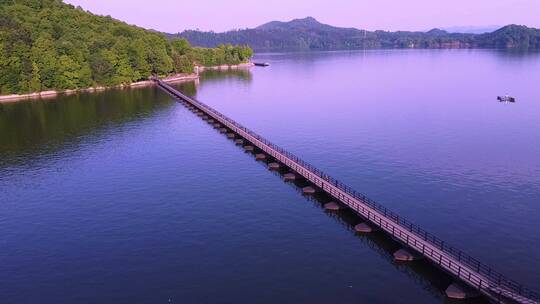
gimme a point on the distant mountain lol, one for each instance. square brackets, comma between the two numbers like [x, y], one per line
[437, 32]
[310, 34]
[306, 24]
[510, 37]
[472, 29]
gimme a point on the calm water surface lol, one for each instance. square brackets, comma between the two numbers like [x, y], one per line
[127, 197]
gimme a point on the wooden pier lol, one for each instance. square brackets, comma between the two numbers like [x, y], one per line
[465, 269]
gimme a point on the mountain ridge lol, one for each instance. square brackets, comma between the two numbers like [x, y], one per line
[310, 34]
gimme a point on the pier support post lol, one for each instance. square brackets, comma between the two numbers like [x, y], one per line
[273, 166]
[364, 228]
[458, 291]
[309, 190]
[331, 206]
[404, 255]
[289, 176]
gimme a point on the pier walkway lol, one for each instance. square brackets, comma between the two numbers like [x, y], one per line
[461, 266]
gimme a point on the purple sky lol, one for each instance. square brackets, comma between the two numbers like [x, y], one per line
[174, 16]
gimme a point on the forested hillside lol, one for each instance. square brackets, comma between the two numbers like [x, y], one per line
[47, 44]
[309, 34]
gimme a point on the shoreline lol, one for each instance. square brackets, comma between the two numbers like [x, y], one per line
[139, 84]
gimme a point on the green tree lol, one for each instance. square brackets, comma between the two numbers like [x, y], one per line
[44, 55]
[69, 73]
[138, 54]
[35, 81]
[47, 44]
[102, 66]
[181, 46]
[158, 58]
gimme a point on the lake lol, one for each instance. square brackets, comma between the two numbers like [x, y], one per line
[125, 196]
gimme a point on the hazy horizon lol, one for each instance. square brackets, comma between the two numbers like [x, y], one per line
[415, 15]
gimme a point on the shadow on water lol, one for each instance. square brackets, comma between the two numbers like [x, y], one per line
[422, 272]
[243, 75]
[518, 53]
[212, 76]
[189, 88]
[33, 128]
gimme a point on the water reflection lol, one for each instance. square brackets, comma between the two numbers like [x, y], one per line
[517, 54]
[188, 88]
[242, 75]
[423, 273]
[418, 130]
[34, 127]
[171, 195]
[210, 77]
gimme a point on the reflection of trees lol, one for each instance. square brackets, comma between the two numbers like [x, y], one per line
[34, 127]
[190, 88]
[518, 54]
[242, 74]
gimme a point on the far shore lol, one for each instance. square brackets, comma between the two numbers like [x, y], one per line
[144, 83]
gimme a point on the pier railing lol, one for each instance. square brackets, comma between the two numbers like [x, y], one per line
[449, 258]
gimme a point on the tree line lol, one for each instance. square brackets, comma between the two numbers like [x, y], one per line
[309, 34]
[50, 45]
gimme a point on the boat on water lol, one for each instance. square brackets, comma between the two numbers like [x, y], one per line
[506, 98]
[262, 64]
